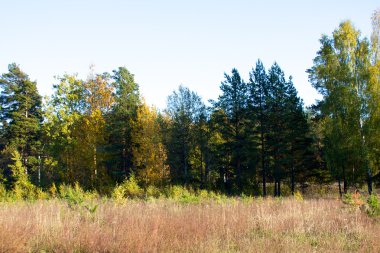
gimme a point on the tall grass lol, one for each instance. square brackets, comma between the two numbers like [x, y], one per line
[159, 225]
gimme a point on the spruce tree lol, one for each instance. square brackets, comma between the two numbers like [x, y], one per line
[21, 116]
[120, 123]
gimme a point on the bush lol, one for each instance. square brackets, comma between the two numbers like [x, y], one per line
[373, 205]
[73, 195]
[354, 199]
[128, 189]
[3, 192]
[53, 190]
[25, 191]
[298, 196]
[152, 192]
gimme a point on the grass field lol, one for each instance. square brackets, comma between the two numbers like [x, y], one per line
[233, 225]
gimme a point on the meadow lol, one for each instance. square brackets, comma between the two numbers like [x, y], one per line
[189, 224]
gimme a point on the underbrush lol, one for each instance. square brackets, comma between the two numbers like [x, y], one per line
[130, 190]
[369, 205]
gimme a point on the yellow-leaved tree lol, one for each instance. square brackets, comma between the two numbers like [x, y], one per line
[149, 153]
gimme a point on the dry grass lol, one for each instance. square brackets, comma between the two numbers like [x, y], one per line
[164, 226]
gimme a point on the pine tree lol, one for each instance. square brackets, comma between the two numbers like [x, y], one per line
[258, 102]
[21, 115]
[233, 104]
[119, 122]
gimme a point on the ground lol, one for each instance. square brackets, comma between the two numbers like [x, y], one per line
[228, 225]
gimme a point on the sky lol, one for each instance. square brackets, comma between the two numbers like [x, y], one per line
[169, 43]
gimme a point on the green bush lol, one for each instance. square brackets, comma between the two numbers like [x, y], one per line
[25, 191]
[188, 195]
[373, 205]
[298, 196]
[3, 192]
[348, 199]
[128, 189]
[40, 194]
[152, 192]
[53, 190]
[73, 195]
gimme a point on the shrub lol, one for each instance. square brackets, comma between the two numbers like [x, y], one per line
[128, 189]
[348, 199]
[73, 195]
[354, 199]
[373, 205]
[53, 190]
[40, 194]
[3, 192]
[152, 192]
[118, 194]
[25, 191]
[298, 196]
[181, 194]
[176, 192]
[246, 198]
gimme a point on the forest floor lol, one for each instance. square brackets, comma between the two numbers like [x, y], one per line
[232, 225]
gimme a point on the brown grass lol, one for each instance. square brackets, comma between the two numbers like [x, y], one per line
[163, 226]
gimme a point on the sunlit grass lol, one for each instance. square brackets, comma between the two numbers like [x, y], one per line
[161, 225]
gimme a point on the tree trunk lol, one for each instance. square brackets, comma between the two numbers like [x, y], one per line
[369, 181]
[238, 168]
[95, 163]
[345, 186]
[201, 176]
[207, 170]
[263, 162]
[292, 179]
[275, 188]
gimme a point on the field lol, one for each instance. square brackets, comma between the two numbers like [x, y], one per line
[231, 225]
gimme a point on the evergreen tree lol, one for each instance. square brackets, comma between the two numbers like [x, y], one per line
[277, 137]
[184, 109]
[119, 123]
[258, 102]
[299, 142]
[233, 103]
[20, 117]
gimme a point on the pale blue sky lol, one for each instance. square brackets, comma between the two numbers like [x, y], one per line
[168, 43]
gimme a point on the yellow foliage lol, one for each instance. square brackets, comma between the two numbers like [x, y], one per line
[149, 153]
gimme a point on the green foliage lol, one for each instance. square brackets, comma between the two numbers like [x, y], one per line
[348, 199]
[128, 189]
[53, 190]
[3, 192]
[19, 175]
[189, 195]
[343, 75]
[75, 195]
[120, 121]
[20, 116]
[184, 109]
[298, 196]
[373, 205]
[99, 130]
[152, 192]
[22, 188]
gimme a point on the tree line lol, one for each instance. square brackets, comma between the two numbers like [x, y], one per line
[256, 138]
